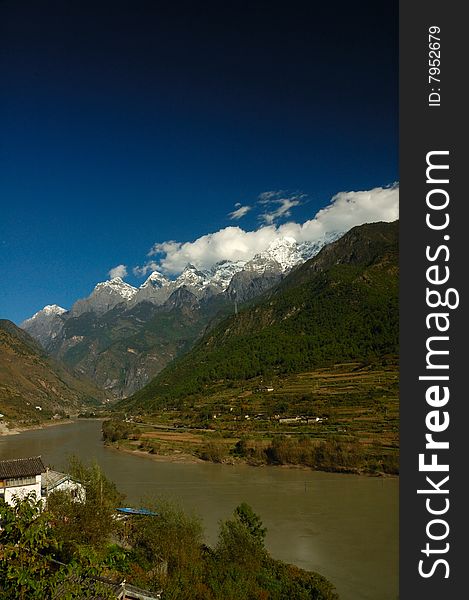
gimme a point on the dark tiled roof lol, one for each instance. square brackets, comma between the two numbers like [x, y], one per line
[21, 467]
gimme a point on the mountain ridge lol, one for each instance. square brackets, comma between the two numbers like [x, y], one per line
[122, 336]
[280, 256]
[340, 305]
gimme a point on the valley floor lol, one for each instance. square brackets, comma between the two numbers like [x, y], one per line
[343, 418]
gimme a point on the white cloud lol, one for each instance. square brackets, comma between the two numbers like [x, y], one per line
[278, 204]
[267, 197]
[282, 210]
[239, 212]
[164, 248]
[119, 271]
[344, 211]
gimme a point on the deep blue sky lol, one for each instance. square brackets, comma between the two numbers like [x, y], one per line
[126, 123]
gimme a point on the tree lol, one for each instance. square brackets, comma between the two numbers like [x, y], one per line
[25, 546]
[29, 568]
[241, 539]
[90, 521]
[166, 551]
[251, 521]
[171, 538]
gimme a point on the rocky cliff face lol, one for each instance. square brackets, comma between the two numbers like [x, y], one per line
[156, 289]
[247, 285]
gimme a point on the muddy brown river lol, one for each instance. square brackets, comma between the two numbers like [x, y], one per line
[343, 526]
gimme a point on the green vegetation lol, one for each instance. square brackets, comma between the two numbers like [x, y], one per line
[114, 430]
[314, 359]
[340, 418]
[70, 549]
[29, 551]
[333, 454]
[89, 522]
[29, 378]
[238, 568]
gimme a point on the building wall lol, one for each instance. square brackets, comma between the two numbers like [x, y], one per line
[22, 490]
[75, 489]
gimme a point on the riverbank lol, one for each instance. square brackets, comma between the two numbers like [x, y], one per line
[5, 429]
[187, 457]
[182, 457]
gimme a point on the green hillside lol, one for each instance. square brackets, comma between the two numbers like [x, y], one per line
[29, 378]
[340, 306]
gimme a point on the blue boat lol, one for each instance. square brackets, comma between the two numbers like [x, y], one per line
[137, 511]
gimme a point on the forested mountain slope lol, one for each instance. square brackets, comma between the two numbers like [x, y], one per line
[341, 305]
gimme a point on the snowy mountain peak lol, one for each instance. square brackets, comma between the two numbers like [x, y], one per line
[50, 310]
[116, 286]
[45, 314]
[281, 255]
[284, 242]
[155, 280]
[46, 324]
[105, 296]
[54, 309]
[309, 249]
[285, 252]
[192, 268]
[222, 272]
[192, 277]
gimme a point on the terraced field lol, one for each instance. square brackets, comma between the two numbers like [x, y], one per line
[353, 404]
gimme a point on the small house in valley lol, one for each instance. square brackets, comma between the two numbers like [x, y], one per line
[20, 476]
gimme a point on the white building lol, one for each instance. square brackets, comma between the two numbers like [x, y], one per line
[54, 481]
[19, 477]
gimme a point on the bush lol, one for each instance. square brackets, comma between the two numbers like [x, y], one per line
[161, 552]
[29, 548]
[114, 430]
[214, 451]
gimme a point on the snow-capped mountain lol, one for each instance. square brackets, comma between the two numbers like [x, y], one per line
[105, 296]
[151, 324]
[284, 251]
[156, 280]
[241, 279]
[222, 273]
[281, 256]
[50, 310]
[46, 324]
[308, 250]
[156, 289]
[267, 268]
[192, 278]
